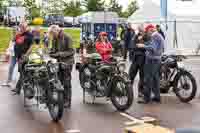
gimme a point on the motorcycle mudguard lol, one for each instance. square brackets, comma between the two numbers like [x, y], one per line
[105, 68]
[113, 81]
[181, 70]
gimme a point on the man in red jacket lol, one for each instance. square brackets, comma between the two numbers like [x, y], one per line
[104, 47]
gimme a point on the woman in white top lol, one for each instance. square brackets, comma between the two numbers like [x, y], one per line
[12, 60]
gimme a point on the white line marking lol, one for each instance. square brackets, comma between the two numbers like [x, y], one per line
[72, 131]
[132, 118]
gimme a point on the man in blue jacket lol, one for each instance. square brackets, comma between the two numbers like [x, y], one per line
[154, 49]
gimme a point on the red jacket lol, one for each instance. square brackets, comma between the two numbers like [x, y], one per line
[105, 50]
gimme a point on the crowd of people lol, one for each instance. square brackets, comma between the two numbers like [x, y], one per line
[144, 45]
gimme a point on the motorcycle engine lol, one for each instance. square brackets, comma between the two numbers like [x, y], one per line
[89, 85]
[164, 84]
[164, 81]
[101, 86]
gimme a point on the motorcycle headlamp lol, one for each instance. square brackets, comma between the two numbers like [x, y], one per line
[87, 72]
[122, 67]
[54, 68]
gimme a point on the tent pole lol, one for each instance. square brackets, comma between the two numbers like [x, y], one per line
[175, 42]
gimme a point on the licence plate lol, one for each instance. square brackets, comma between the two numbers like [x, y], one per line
[180, 64]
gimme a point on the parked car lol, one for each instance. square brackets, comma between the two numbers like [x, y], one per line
[57, 19]
[68, 21]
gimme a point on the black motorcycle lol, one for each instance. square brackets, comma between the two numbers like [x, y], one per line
[174, 75]
[101, 79]
[40, 81]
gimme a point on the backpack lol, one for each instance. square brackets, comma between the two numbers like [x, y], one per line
[19, 39]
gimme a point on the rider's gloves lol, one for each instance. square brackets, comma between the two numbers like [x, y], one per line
[24, 57]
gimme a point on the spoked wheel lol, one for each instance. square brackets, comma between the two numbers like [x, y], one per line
[56, 106]
[185, 87]
[122, 95]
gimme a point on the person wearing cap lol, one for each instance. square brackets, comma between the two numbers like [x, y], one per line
[62, 50]
[154, 46]
[104, 47]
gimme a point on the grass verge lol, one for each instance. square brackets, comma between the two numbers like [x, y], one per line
[6, 35]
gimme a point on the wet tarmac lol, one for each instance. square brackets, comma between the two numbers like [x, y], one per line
[101, 117]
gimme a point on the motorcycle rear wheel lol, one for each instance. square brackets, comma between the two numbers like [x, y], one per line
[177, 89]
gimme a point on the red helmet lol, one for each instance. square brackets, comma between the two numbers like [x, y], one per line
[149, 27]
[103, 33]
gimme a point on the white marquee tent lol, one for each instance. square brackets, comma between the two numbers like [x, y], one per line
[187, 27]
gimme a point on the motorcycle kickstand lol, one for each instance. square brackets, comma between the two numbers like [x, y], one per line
[25, 102]
[94, 98]
[84, 96]
[25, 105]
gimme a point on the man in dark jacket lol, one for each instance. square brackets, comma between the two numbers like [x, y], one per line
[129, 35]
[22, 49]
[138, 60]
[160, 31]
[62, 50]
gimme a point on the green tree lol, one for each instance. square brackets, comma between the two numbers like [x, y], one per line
[32, 8]
[1, 4]
[73, 8]
[115, 7]
[93, 5]
[132, 7]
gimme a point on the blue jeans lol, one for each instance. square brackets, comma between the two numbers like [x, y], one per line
[13, 62]
[152, 80]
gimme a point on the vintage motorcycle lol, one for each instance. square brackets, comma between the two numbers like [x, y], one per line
[100, 79]
[174, 75]
[40, 81]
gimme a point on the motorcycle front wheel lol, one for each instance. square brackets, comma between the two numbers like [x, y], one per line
[56, 106]
[185, 86]
[122, 95]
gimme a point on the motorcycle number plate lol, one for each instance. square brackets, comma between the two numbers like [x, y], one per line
[180, 64]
